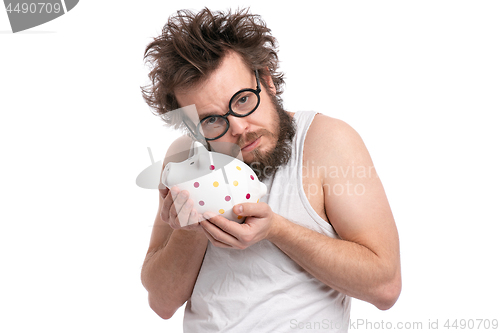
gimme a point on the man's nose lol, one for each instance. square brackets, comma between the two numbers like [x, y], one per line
[237, 125]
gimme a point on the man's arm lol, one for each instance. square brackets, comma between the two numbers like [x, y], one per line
[174, 256]
[364, 263]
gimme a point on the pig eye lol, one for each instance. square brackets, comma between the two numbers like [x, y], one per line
[191, 163]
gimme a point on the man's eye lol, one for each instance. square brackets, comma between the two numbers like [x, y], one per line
[243, 100]
[211, 120]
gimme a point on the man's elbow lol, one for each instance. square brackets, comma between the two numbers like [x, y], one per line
[163, 313]
[388, 294]
[161, 309]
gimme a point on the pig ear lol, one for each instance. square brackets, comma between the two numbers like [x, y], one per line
[204, 160]
[199, 152]
[195, 149]
[203, 156]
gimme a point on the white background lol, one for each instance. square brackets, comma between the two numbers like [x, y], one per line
[419, 80]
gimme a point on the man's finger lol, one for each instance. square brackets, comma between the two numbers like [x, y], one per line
[163, 192]
[251, 209]
[184, 212]
[215, 235]
[193, 221]
[230, 227]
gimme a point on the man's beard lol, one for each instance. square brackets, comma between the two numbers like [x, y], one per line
[265, 164]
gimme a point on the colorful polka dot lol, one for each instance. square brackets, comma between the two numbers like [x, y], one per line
[239, 217]
[238, 168]
[196, 184]
[251, 177]
[235, 183]
[248, 196]
[201, 203]
[212, 167]
[221, 211]
[216, 184]
[227, 198]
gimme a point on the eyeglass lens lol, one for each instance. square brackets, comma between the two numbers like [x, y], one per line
[242, 104]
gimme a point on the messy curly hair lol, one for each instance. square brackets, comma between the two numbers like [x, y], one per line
[192, 45]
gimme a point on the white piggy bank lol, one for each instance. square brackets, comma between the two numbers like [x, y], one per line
[215, 182]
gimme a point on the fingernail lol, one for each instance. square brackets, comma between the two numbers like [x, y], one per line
[239, 209]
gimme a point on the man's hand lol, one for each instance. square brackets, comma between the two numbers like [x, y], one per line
[260, 224]
[178, 211]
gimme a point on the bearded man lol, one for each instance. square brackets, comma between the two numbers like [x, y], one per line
[315, 240]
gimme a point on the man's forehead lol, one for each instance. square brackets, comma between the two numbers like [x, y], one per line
[208, 112]
[213, 96]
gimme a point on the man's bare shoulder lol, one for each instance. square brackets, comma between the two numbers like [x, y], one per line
[330, 140]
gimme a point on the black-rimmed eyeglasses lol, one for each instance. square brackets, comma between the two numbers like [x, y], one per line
[242, 104]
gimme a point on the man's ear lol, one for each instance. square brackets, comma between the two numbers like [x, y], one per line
[269, 80]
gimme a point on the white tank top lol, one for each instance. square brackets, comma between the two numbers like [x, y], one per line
[260, 289]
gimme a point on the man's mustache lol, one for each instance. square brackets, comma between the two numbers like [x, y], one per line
[252, 136]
